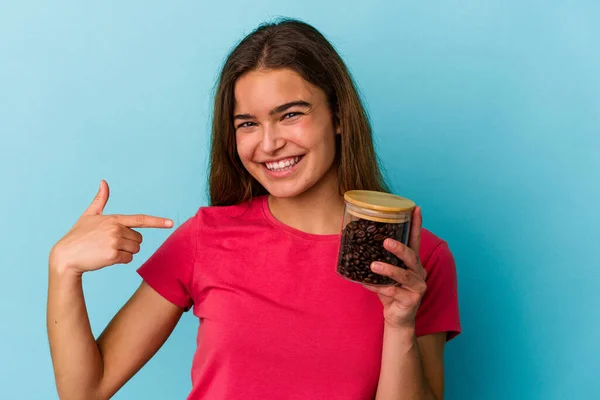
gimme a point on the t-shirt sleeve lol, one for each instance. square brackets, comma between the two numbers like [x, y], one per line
[169, 270]
[438, 311]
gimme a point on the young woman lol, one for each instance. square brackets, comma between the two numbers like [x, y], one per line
[289, 137]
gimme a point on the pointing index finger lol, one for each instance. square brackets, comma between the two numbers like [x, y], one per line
[143, 221]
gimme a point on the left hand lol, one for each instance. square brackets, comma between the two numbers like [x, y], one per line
[401, 301]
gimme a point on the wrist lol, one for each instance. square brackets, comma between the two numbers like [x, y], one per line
[61, 269]
[404, 330]
[399, 340]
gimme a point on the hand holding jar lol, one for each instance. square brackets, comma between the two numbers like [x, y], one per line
[380, 249]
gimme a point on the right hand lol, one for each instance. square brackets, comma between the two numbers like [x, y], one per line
[97, 241]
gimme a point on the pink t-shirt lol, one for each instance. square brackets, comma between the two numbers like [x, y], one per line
[276, 321]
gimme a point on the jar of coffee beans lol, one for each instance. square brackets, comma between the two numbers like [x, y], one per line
[369, 218]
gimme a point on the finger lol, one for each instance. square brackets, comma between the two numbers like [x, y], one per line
[130, 234]
[143, 221]
[129, 246]
[414, 241]
[403, 297]
[406, 254]
[99, 202]
[122, 257]
[408, 279]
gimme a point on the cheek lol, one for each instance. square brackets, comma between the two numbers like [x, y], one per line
[244, 148]
[300, 129]
[311, 133]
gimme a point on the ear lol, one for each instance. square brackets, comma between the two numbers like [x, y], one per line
[336, 122]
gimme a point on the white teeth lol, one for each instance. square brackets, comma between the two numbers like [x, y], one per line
[283, 164]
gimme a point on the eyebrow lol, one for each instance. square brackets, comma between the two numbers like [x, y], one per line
[278, 109]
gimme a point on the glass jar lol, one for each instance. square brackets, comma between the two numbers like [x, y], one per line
[369, 218]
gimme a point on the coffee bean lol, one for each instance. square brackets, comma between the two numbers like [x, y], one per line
[362, 243]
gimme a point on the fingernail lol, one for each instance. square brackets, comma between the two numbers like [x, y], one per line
[375, 266]
[391, 243]
[168, 223]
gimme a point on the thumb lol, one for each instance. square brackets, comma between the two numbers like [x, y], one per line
[97, 206]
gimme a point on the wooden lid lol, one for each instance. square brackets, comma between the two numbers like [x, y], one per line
[395, 219]
[379, 201]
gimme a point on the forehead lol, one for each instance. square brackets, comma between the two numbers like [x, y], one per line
[259, 91]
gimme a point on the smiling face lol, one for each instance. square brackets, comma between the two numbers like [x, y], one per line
[284, 129]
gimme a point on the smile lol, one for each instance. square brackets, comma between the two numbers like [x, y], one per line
[282, 165]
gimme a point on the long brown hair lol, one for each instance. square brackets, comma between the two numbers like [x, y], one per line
[292, 44]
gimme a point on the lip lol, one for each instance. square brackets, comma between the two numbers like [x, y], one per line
[282, 174]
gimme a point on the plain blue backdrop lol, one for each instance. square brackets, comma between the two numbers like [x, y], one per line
[485, 113]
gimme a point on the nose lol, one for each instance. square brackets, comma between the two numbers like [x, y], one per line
[271, 140]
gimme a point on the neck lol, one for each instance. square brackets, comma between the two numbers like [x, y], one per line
[318, 211]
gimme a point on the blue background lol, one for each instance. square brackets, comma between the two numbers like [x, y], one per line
[486, 113]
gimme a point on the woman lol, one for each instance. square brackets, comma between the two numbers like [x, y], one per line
[289, 137]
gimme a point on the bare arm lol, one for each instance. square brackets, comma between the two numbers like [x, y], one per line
[412, 366]
[85, 368]
[88, 369]
[77, 361]
[133, 336]
[431, 349]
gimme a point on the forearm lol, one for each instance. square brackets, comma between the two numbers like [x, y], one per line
[76, 358]
[401, 375]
